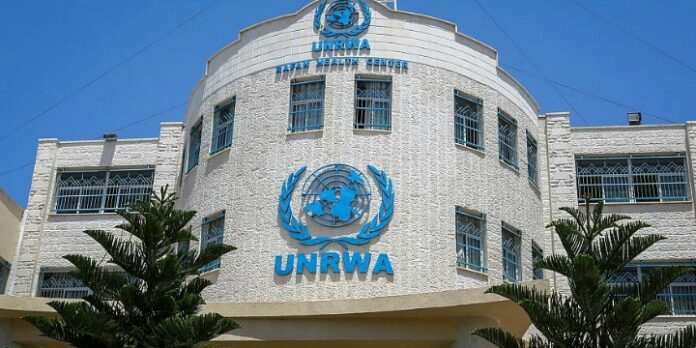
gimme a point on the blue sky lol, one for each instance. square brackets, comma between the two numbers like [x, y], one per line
[50, 48]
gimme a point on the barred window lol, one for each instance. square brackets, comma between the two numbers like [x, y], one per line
[196, 136]
[507, 138]
[223, 126]
[306, 105]
[101, 191]
[471, 240]
[212, 233]
[532, 160]
[61, 284]
[633, 179]
[468, 120]
[679, 296]
[512, 255]
[373, 100]
[537, 255]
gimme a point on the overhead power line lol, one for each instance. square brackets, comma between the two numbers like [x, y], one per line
[529, 59]
[589, 94]
[107, 72]
[635, 36]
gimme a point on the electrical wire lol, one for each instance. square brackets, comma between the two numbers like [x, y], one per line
[529, 59]
[107, 72]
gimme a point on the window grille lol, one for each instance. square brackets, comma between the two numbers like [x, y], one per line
[5, 268]
[679, 296]
[101, 191]
[61, 284]
[507, 138]
[306, 105]
[373, 100]
[196, 136]
[212, 233]
[471, 240]
[512, 256]
[532, 160]
[537, 255]
[223, 126]
[468, 120]
[633, 179]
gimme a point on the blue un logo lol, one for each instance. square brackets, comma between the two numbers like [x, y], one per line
[336, 195]
[342, 15]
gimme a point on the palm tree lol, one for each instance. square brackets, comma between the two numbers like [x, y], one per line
[153, 298]
[597, 314]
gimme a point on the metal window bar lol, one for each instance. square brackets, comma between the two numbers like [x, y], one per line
[507, 139]
[512, 256]
[468, 121]
[306, 105]
[633, 179]
[471, 240]
[101, 191]
[532, 160]
[537, 255]
[212, 233]
[373, 100]
[223, 127]
[60, 284]
[194, 146]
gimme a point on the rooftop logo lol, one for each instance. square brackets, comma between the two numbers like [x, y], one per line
[342, 21]
[335, 196]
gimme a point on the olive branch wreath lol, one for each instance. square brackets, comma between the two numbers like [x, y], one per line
[368, 232]
[367, 14]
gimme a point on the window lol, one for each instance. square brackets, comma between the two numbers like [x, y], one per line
[468, 120]
[223, 125]
[512, 257]
[532, 160]
[633, 179]
[196, 136]
[471, 240]
[507, 138]
[60, 284]
[373, 99]
[212, 233]
[101, 191]
[537, 255]
[679, 296]
[306, 105]
[5, 268]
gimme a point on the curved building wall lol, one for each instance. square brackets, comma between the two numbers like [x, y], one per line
[431, 174]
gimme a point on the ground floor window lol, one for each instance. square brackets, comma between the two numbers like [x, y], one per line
[512, 253]
[212, 233]
[61, 284]
[537, 255]
[471, 238]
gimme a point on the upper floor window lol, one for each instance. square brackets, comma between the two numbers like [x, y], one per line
[79, 192]
[223, 126]
[306, 105]
[194, 151]
[532, 160]
[633, 179]
[373, 101]
[512, 253]
[471, 240]
[212, 233]
[507, 138]
[679, 296]
[468, 120]
[61, 284]
[537, 255]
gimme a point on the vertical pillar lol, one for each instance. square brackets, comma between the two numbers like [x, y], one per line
[169, 157]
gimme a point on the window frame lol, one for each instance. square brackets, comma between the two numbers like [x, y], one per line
[462, 123]
[193, 161]
[508, 146]
[372, 110]
[516, 236]
[306, 113]
[537, 273]
[206, 239]
[463, 247]
[532, 163]
[216, 146]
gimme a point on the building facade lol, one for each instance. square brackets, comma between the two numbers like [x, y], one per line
[377, 171]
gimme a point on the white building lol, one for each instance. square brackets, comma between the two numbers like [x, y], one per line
[360, 95]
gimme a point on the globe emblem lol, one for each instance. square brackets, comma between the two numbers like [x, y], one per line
[342, 15]
[336, 195]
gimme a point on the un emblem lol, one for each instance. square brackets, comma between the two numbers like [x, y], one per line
[342, 17]
[336, 195]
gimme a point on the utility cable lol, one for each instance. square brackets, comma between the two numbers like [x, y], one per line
[519, 48]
